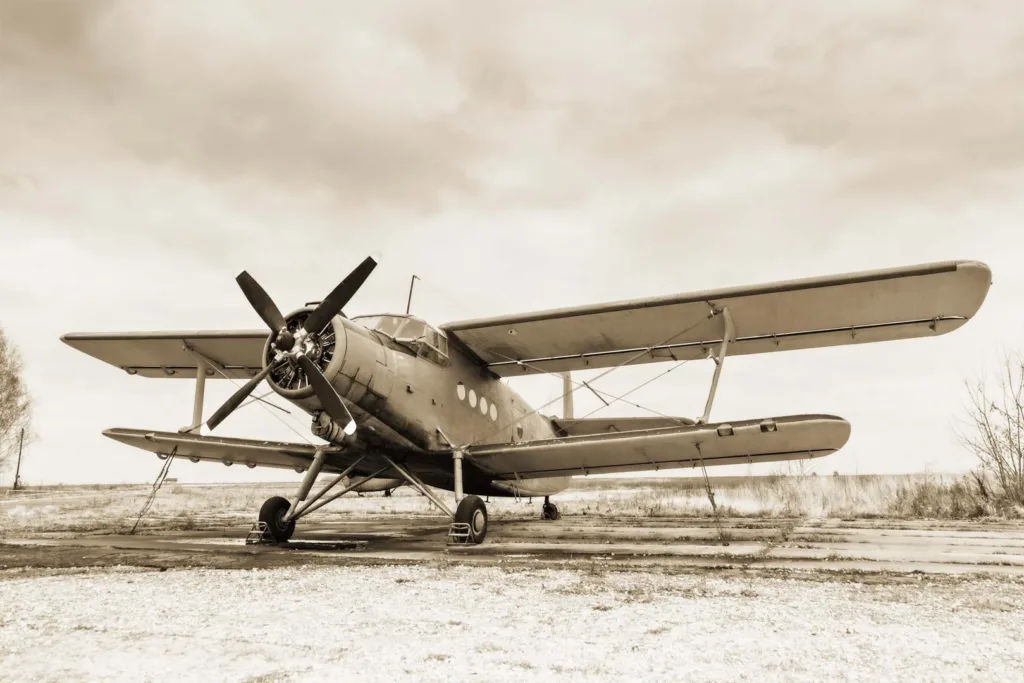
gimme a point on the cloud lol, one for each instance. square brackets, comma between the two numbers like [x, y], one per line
[301, 100]
[515, 157]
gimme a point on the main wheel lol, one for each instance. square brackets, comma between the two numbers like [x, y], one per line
[273, 512]
[549, 511]
[473, 512]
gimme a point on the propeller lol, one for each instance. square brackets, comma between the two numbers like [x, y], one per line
[239, 396]
[328, 396]
[284, 344]
[336, 300]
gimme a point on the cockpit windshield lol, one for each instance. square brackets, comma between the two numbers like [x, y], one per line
[394, 326]
[418, 336]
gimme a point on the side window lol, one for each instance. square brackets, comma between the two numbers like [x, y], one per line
[434, 347]
[427, 352]
[430, 353]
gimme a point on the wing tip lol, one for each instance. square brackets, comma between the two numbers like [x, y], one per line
[121, 433]
[976, 275]
[845, 429]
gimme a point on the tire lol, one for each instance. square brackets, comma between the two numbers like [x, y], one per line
[550, 512]
[273, 512]
[473, 512]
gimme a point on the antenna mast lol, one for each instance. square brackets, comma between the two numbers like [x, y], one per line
[412, 282]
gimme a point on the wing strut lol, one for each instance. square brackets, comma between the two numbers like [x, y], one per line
[204, 367]
[728, 332]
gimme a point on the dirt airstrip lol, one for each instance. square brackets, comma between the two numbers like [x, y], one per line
[382, 597]
[833, 547]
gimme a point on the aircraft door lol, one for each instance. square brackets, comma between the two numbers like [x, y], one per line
[382, 379]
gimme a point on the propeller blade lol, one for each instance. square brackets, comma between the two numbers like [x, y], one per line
[336, 300]
[261, 301]
[237, 398]
[328, 396]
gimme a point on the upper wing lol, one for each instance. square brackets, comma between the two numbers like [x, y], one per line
[749, 441]
[223, 449]
[879, 305]
[164, 354]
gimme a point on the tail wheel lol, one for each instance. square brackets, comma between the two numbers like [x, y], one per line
[273, 512]
[473, 512]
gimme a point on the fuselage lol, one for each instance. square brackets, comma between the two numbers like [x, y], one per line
[416, 396]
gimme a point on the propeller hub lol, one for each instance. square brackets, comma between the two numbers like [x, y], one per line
[285, 340]
[292, 344]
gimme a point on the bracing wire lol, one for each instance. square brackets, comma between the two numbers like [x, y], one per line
[616, 399]
[160, 478]
[723, 537]
[261, 404]
[578, 385]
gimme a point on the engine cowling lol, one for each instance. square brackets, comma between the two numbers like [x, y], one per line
[351, 358]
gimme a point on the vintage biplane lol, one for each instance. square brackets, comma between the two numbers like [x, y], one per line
[398, 401]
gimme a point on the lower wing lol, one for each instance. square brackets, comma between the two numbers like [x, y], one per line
[749, 441]
[250, 452]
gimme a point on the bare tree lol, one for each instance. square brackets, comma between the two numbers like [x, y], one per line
[995, 430]
[15, 406]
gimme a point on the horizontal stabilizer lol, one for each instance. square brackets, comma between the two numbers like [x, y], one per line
[777, 439]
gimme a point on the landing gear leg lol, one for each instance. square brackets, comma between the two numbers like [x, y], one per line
[278, 515]
[469, 521]
[549, 510]
[469, 524]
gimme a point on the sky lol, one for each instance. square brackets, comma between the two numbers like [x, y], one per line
[516, 157]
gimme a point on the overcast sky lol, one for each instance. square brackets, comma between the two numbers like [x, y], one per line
[515, 156]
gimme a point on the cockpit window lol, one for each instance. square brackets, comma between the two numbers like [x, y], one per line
[413, 333]
[389, 325]
[411, 330]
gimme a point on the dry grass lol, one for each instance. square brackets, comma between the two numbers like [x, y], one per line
[115, 508]
[911, 496]
[85, 509]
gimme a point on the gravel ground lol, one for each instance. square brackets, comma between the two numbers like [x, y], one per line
[442, 622]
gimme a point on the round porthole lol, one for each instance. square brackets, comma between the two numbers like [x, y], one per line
[460, 389]
[483, 405]
[472, 398]
[494, 412]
